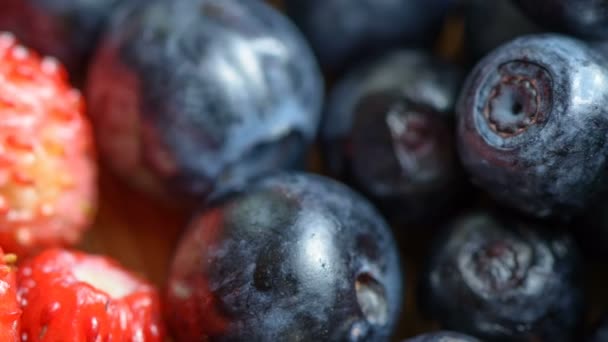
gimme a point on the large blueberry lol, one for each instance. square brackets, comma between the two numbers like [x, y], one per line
[195, 95]
[294, 257]
[343, 31]
[583, 18]
[533, 117]
[66, 29]
[387, 130]
[501, 279]
[442, 336]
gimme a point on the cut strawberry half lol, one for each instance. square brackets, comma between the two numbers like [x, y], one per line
[10, 312]
[73, 296]
[47, 166]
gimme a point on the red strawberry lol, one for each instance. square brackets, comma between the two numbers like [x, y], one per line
[10, 312]
[72, 296]
[47, 169]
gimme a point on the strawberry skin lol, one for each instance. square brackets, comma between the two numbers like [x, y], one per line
[10, 312]
[47, 164]
[73, 296]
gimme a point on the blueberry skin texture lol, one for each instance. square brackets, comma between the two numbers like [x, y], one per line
[532, 123]
[387, 130]
[490, 24]
[499, 279]
[442, 336]
[583, 18]
[66, 29]
[295, 257]
[193, 96]
[346, 31]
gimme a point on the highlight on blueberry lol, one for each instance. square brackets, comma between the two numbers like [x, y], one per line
[192, 96]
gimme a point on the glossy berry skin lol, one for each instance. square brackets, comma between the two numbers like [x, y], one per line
[531, 121]
[295, 257]
[65, 29]
[72, 296]
[387, 130]
[490, 24]
[443, 336]
[583, 18]
[345, 31]
[499, 279]
[213, 95]
[47, 162]
[10, 311]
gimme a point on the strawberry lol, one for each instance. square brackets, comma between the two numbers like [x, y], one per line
[73, 296]
[47, 167]
[10, 312]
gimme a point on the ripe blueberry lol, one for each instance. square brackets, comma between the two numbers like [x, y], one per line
[501, 280]
[195, 95]
[387, 130]
[532, 121]
[294, 257]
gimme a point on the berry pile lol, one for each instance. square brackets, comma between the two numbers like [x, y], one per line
[281, 164]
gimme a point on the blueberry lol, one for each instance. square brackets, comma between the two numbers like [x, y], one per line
[532, 121]
[583, 18]
[501, 279]
[344, 31]
[66, 29]
[490, 24]
[294, 257]
[443, 336]
[387, 130]
[193, 96]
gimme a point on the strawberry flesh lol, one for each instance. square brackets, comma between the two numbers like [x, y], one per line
[73, 296]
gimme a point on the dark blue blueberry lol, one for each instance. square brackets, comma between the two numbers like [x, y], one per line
[583, 18]
[500, 279]
[532, 121]
[490, 24]
[295, 257]
[387, 130]
[196, 95]
[66, 29]
[443, 336]
[344, 31]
